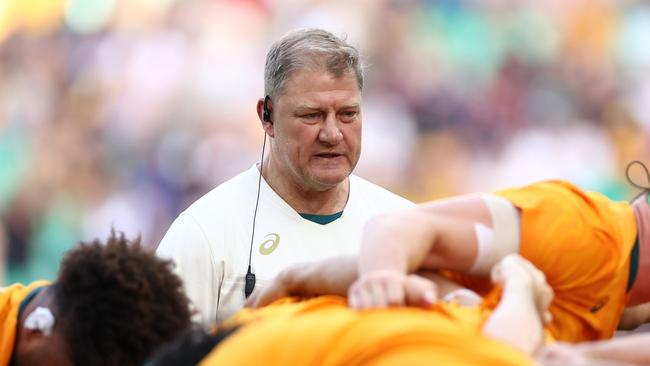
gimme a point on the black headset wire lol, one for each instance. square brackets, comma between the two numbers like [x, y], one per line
[250, 276]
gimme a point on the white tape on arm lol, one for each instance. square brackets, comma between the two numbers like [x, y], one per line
[500, 240]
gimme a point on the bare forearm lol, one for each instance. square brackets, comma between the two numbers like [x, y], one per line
[630, 349]
[634, 316]
[398, 242]
[332, 276]
[516, 321]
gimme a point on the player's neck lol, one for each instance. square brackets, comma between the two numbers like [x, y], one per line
[315, 200]
[640, 292]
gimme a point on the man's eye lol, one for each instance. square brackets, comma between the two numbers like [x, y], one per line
[349, 115]
[311, 115]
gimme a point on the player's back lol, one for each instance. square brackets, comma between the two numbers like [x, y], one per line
[323, 331]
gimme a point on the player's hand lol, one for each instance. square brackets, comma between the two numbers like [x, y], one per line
[382, 289]
[515, 270]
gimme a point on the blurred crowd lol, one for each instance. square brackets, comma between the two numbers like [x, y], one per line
[122, 112]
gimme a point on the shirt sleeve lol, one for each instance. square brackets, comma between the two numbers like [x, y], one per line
[187, 246]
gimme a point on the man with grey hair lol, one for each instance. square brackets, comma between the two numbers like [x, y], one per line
[301, 203]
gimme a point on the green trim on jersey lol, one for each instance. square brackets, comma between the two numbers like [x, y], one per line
[32, 294]
[634, 265]
[321, 219]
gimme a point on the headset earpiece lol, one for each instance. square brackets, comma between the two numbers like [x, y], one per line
[266, 114]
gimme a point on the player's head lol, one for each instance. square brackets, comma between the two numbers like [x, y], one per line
[309, 48]
[313, 82]
[113, 303]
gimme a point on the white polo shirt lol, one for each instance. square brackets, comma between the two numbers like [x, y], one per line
[210, 241]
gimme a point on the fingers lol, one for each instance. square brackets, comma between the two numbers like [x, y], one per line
[544, 299]
[388, 288]
[420, 291]
[378, 293]
[377, 290]
[543, 291]
[514, 269]
[464, 297]
[395, 294]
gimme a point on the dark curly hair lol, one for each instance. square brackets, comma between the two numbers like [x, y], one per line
[116, 302]
[191, 347]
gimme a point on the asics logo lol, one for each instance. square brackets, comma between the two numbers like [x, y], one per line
[269, 245]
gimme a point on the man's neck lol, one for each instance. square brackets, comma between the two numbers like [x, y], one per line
[316, 201]
[640, 292]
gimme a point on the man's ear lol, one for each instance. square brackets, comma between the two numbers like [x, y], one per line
[28, 341]
[266, 125]
[29, 334]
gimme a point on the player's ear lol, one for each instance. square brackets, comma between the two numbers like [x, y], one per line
[264, 112]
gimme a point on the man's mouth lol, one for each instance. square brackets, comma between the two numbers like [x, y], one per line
[328, 155]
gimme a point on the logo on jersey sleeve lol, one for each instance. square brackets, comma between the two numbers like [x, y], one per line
[600, 304]
[269, 245]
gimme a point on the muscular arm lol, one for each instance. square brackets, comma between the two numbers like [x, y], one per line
[438, 235]
[331, 276]
[431, 236]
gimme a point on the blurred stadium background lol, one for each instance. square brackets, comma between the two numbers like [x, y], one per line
[122, 112]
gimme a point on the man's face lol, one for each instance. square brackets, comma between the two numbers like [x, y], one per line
[317, 129]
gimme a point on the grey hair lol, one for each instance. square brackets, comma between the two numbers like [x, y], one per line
[315, 48]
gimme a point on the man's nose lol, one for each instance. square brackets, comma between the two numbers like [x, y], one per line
[330, 132]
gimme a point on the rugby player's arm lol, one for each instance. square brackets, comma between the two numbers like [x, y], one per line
[436, 235]
[626, 350]
[631, 349]
[634, 316]
[331, 276]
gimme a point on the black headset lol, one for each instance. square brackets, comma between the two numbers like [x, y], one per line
[250, 276]
[266, 114]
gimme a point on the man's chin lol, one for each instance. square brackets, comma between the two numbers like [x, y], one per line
[330, 179]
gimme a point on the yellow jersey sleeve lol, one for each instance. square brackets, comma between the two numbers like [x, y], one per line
[10, 299]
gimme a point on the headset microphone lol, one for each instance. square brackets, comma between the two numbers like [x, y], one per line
[250, 282]
[250, 276]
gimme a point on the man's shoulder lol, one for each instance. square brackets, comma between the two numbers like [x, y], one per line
[208, 218]
[377, 194]
[222, 202]
[224, 198]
